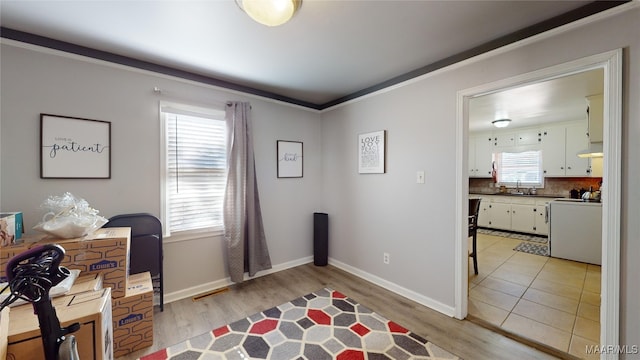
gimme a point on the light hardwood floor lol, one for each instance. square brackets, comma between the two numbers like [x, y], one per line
[187, 318]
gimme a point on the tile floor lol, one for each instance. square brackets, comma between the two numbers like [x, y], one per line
[552, 301]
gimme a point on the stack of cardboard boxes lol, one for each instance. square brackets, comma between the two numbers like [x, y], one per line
[114, 308]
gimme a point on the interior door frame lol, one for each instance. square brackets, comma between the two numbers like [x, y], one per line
[611, 63]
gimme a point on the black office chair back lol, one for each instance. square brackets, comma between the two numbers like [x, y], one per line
[140, 223]
[145, 249]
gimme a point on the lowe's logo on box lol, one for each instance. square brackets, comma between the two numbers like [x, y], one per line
[103, 265]
[130, 319]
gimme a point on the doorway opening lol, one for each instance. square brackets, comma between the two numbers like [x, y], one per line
[610, 63]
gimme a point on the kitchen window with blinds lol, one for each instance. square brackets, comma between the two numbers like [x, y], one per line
[194, 171]
[524, 167]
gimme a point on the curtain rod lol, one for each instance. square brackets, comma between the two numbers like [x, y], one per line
[172, 97]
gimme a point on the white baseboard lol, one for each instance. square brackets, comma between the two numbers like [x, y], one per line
[210, 286]
[409, 294]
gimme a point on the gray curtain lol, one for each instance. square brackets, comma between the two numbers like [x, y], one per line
[244, 232]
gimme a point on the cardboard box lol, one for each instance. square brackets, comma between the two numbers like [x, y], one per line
[133, 316]
[11, 228]
[105, 251]
[4, 332]
[84, 283]
[91, 309]
[6, 253]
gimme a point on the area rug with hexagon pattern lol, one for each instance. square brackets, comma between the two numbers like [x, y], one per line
[322, 325]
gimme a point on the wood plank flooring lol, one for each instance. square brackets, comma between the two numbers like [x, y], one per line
[187, 318]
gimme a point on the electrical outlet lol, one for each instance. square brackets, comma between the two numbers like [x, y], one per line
[386, 258]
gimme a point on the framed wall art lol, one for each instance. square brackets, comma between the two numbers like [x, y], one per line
[290, 159]
[371, 152]
[74, 148]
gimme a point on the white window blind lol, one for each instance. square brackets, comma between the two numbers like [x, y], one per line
[524, 166]
[195, 169]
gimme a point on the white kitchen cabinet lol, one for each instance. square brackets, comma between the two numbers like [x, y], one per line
[596, 117]
[500, 213]
[514, 213]
[523, 214]
[504, 139]
[595, 164]
[522, 137]
[528, 137]
[484, 216]
[541, 223]
[576, 140]
[553, 150]
[480, 155]
[560, 145]
[523, 218]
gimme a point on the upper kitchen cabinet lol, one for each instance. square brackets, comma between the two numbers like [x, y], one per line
[529, 137]
[504, 139]
[560, 144]
[521, 137]
[596, 116]
[480, 155]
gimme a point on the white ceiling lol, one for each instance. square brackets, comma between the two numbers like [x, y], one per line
[561, 99]
[330, 49]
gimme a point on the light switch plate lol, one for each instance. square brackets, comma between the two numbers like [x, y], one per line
[420, 177]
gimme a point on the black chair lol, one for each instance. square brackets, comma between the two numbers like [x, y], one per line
[145, 251]
[474, 212]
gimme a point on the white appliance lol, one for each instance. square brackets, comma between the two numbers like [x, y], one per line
[575, 230]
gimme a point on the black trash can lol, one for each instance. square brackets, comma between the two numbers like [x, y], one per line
[320, 239]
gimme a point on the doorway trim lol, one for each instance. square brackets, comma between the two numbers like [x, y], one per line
[611, 63]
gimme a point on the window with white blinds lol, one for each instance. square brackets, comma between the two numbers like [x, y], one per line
[195, 168]
[524, 166]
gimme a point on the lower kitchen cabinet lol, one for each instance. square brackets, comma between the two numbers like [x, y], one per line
[500, 215]
[542, 224]
[514, 213]
[483, 215]
[523, 218]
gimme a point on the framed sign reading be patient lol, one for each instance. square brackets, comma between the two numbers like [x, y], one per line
[74, 148]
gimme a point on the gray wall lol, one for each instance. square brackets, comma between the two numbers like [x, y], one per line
[369, 214]
[35, 82]
[372, 214]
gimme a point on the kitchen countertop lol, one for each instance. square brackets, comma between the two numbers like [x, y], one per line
[518, 195]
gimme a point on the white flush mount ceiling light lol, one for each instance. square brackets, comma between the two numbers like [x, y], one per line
[500, 123]
[270, 12]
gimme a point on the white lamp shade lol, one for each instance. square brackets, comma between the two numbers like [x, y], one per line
[270, 12]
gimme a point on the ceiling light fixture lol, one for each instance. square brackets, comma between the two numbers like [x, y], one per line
[270, 12]
[500, 123]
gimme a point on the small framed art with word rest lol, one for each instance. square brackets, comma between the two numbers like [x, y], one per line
[74, 148]
[290, 159]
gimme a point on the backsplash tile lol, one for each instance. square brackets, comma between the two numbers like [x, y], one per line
[558, 186]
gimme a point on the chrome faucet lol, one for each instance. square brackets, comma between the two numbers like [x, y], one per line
[518, 185]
